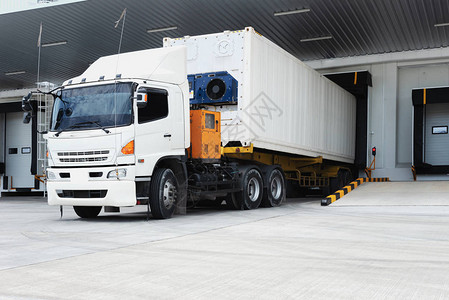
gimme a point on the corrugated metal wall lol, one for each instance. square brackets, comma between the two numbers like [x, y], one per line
[358, 27]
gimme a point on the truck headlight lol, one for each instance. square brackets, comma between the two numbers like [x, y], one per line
[51, 175]
[117, 173]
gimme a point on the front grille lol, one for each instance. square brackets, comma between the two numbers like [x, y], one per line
[84, 159]
[82, 193]
[83, 156]
[83, 153]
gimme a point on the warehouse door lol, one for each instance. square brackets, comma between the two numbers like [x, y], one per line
[436, 136]
[18, 151]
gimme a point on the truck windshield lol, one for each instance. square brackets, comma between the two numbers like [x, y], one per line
[93, 107]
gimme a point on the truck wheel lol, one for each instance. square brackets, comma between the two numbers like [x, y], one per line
[87, 211]
[276, 192]
[252, 189]
[343, 178]
[163, 193]
[233, 201]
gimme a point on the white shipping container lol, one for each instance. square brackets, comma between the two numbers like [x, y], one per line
[283, 105]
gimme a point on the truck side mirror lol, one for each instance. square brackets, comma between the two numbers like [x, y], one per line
[26, 117]
[26, 104]
[142, 99]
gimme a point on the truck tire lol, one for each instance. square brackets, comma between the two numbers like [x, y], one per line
[87, 212]
[294, 190]
[252, 189]
[233, 201]
[344, 178]
[163, 193]
[276, 191]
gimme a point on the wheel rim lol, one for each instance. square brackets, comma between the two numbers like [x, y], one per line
[276, 188]
[169, 194]
[253, 189]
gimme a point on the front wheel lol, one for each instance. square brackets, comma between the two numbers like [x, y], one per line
[164, 190]
[87, 212]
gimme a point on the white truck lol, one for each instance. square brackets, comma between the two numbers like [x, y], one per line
[224, 117]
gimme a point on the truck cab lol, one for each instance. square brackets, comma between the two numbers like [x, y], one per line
[113, 125]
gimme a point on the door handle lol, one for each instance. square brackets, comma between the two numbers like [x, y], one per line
[167, 135]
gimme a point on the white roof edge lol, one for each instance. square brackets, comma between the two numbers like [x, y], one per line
[15, 93]
[159, 64]
[38, 6]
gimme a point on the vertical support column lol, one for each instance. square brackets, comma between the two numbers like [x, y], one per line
[390, 108]
[2, 146]
[382, 118]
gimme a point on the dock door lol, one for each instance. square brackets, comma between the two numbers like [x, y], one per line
[430, 130]
[18, 152]
[436, 137]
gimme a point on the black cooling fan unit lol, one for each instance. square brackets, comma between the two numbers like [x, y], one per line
[216, 88]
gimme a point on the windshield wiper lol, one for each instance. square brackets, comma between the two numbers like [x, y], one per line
[81, 125]
[94, 122]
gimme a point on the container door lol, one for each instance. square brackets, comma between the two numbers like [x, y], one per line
[18, 151]
[436, 137]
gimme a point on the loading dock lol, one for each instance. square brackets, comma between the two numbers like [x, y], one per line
[430, 130]
[419, 193]
[436, 135]
[22, 149]
[18, 152]
[357, 83]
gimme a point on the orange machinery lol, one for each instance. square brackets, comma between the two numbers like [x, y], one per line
[205, 134]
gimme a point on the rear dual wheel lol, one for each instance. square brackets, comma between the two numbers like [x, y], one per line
[344, 177]
[276, 190]
[251, 194]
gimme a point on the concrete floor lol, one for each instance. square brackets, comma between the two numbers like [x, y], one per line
[418, 193]
[297, 251]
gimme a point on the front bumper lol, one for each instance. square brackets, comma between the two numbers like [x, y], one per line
[84, 187]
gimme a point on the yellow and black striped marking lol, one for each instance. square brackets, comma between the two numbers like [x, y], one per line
[340, 193]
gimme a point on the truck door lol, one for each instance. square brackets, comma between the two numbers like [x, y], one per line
[153, 131]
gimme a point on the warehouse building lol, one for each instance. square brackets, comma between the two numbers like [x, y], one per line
[393, 56]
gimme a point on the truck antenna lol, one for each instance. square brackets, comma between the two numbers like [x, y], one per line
[117, 23]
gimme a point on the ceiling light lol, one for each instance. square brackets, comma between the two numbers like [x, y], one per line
[291, 12]
[441, 24]
[320, 38]
[54, 44]
[14, 73]
[162, 29]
